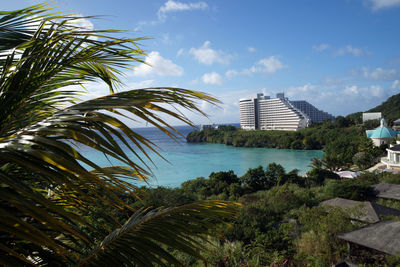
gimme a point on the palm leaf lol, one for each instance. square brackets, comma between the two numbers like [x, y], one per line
[183, 228]
[55, 203]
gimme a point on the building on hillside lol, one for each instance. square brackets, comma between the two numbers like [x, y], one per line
[383, 236]
[315, 114]
[387, 191]
[392, 161]
[364, 211]
[382, 134]
[266, 113]
[367, 116]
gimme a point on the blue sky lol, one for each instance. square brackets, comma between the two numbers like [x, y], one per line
[342, 56]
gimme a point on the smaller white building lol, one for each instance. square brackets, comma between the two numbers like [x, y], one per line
[367, 116]
[392, 161]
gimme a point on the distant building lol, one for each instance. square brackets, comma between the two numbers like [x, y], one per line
[382, 134]
[249, 113]
[265, 113]
[367, 116]
[312, 112]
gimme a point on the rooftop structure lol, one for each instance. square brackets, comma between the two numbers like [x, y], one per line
[365, 211]
[388, 191]
[383, 236]
[265, 113]
[382, 134]
[367, 116]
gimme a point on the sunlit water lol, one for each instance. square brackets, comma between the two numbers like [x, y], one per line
[188, 161]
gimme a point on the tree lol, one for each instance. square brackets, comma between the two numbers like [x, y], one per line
[54, 211]
[255, 179]
[275, 174]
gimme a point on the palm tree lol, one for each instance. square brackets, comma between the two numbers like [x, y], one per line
[53, 210]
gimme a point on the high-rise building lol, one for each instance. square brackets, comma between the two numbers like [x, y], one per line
[265, 113]
[315, 114]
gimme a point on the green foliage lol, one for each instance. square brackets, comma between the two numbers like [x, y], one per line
[56, 204]
[349, 189]
[363, 160]
[319, 244]
[255, 179]
[317, 176]
[390, 108]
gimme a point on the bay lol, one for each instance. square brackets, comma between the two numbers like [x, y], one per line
[188, 161]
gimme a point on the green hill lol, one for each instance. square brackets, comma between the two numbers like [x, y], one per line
[390, 110]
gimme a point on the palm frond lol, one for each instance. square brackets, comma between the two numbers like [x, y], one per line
[56, 203]
[143, 238]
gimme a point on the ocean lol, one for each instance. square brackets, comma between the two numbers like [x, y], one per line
[188, 161]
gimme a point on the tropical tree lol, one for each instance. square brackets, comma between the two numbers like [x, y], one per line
[57, 206]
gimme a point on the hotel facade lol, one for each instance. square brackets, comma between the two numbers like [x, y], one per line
[265, 113]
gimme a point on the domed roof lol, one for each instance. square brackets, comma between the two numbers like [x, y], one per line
[382, 131]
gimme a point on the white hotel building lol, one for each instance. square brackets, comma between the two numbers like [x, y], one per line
[265, 113]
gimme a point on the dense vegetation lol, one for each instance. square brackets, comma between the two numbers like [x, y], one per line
[280, 221]
[344, 144]
[315, 137]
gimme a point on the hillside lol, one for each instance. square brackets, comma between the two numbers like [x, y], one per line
[390, 110]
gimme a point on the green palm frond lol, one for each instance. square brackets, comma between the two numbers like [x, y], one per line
[55, 203]
[182, 228]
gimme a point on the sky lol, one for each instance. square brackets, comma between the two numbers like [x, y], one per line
[342, 56]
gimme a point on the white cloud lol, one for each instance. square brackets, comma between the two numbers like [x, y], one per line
[141, 84]
[380, 74]
[157, 65]
[383, 4]
[212, 78]
[231, 73]
[321, 47]
[251, 49]
[209, 56]
[82, 23]
[396, 85]
[342, 99]
[348, 49]
[267, 65]
[180, 52]
[365, 92]
[175, 6]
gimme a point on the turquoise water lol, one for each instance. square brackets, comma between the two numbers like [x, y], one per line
[188, 161]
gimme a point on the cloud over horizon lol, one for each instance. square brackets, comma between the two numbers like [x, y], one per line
[208, 56]
[157, 65]
[212, 78]
[175, 6]
[383, 4]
